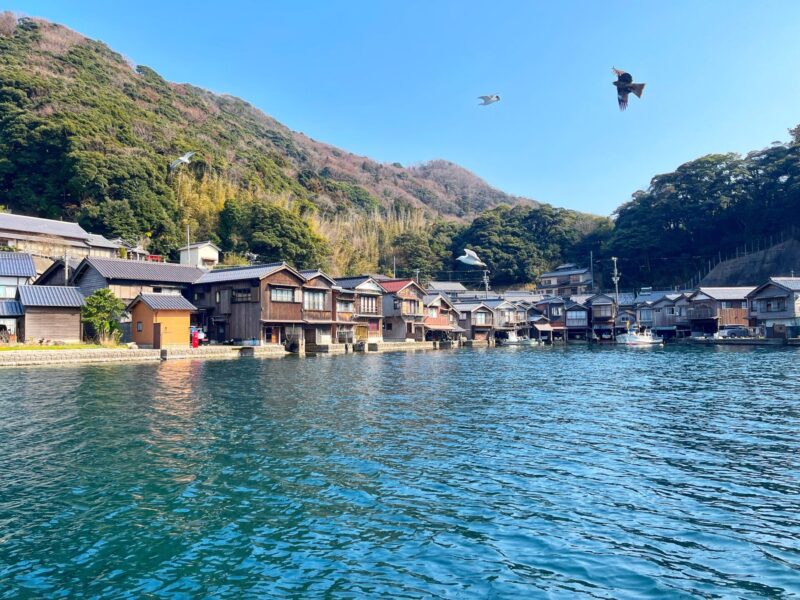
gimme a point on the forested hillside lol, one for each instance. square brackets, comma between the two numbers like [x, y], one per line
[85, 134]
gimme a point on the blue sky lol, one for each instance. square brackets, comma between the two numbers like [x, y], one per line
[398, 81]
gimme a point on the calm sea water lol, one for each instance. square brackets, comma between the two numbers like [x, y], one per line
[504, 473]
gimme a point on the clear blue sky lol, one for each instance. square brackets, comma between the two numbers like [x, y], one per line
[398, 81]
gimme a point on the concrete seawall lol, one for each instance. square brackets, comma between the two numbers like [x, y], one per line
[21, 358]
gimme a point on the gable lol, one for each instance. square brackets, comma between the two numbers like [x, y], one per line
[369, 286]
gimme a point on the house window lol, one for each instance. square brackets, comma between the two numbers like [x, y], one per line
[139, 326]
[345, 306]
[241, 295]
[313, 300]
[199, 296]
[603, 310]
[216, 296]
[480, 318]
[464, 316]
[670, 310]
[432, 312]
[368, 305]
[774, 305]
[557, 311]
[411, 307]
[387, 326]
[281, 294]
[156, 290]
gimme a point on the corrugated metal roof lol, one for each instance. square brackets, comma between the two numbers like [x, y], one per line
[469, 306]
[16, 264]
[726, 293]
[793, 283]
[50, 295]
[351, 282]
[137, 270]
[164, 302]
[240, 273]
[42, 226]
[10, 308]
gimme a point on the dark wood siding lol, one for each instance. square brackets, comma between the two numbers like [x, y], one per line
[90, 281]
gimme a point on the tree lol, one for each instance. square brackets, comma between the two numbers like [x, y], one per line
[102, 312]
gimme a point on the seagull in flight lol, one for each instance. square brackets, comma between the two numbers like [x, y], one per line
[487, 100]
[625, 86]
[471, 259]
[183, 160]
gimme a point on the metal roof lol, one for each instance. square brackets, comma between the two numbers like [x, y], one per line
[10, 308]
[98, 241]
[50, 296]
[42, 226]
[470, 306]
[16, 264]
[312, 273]
[726, 293]
[792, 283]
[445, 286]
[137, 270]
[200, 245]
[164, 302]
[571, 271]
[395, 285]
[240, 273]
[352, 282]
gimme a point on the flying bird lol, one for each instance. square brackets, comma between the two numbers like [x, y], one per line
[470, 258]
[487, 100]
[183, 160]
[625, 86]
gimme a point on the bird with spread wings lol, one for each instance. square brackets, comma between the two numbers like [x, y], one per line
[625, 86]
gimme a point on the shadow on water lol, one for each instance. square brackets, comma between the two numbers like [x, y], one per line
[565, 471]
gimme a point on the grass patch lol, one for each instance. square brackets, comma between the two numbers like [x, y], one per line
[62, 347]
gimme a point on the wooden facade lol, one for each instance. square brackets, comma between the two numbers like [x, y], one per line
[403, 310]
[50, 323]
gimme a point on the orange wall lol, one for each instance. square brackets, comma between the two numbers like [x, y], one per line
[174, 326]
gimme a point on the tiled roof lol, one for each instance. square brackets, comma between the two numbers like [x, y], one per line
[445, 286]
[137, 270]
[395, 285]
[10, 308]
[469, 306]
[312, 273]
[16, 264]
[240, 273]
[164, 302]
[98, 241]
[42, 226]
[793, 283]
[50, 296]
[726, 293]
[565, 272]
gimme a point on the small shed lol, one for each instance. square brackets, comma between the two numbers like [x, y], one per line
[160, 320]
[10, 314]
[203, 255]
[51, 313]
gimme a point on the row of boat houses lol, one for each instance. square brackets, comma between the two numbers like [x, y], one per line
[311, 311]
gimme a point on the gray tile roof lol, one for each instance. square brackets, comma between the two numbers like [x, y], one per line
[16, 264]
[469, 306]
[50, 296]
[565, 272]
[351, 282]
[98, 241]
[445, 286]
[137, 270]
[164, 302]
[726, 293]
[42, 226]
[10, 308]
[793, 283]
[239, 273]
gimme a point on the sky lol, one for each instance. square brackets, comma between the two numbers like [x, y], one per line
[398, 81]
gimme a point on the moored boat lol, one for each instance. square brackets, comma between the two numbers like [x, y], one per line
[635, 338]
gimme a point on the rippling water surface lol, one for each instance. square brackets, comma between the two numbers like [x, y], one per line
[505, 473]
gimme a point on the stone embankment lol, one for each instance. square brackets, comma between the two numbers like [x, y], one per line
[21, 358]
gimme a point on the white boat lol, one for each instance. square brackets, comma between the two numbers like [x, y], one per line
[515, 340]
[634, 338]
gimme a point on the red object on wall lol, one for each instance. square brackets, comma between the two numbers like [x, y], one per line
[195, 339]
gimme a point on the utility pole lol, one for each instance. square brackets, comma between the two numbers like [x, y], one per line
[591, 267]
[394, 267]
[416, 275]
[615, 279]
[486, 284]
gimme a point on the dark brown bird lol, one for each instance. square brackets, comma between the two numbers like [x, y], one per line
[625, 86]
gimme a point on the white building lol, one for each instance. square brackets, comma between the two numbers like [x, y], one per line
[203, 255]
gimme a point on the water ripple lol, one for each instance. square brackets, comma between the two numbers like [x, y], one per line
[529, 472]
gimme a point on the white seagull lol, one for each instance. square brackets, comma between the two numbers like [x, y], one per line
[183, 160]
[470, 258]
[487, 100]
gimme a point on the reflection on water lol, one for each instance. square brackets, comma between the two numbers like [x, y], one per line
[581, 471]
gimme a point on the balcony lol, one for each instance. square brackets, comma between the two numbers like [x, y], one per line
[482, 322]
[577, 323]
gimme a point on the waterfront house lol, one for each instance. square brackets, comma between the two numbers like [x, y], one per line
[603, 314]
[260, 304]
[129, 278]
[576, 320]
[16, 269]
[318, 311]
[52, 239]
[160, 320]
[451, 288]
[552, 308]
[57, 273]
[712, 308]
[367, 297]
[441, 319]
[566, 280]
[50, 313]
[775, 307]
[403, 310]
[476, 319]
[509, 318]
[203, 255]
